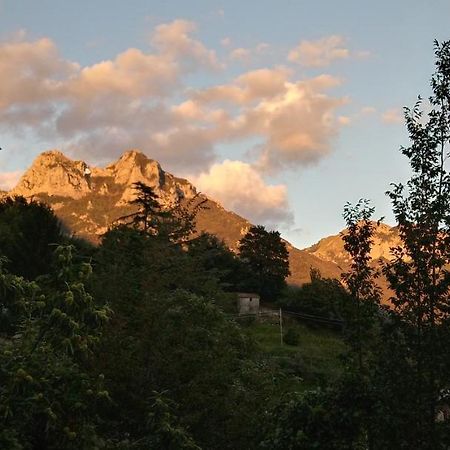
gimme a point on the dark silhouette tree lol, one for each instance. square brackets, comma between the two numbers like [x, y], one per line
[29, 234]
[267, 259]
[149, 214]
[419, 272]
[364, 294]
[176, 223]
[215, 258]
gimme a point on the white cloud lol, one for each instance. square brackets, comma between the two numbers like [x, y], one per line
[240, 54]
[239, 187]
[246, 55]
[319, 53]
[174, 39]
[9, 179]
[294, 120]
[108, 106]
[299, 125]
[138, 100]
[132, 74]
[392, 116]
[31, 72]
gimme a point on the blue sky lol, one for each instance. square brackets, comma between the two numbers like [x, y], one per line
[283, 111]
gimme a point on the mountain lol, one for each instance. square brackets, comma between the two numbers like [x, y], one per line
[88, 205]
[331, 248]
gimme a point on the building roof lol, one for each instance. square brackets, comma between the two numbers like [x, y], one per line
[247, 294]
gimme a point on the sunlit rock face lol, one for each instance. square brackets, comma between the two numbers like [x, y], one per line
[134, 166]
[88, 205]
[332, 249]
[55, 174]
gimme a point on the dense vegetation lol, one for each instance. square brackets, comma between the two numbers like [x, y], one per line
[134, 344]
[131, 344]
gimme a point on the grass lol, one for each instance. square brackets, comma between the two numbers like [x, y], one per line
[313, 362]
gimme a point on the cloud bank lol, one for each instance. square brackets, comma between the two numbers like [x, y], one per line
[141, 99]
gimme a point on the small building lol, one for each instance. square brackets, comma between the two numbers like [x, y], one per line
[247, 303]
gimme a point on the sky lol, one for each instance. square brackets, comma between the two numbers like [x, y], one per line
[282, 111]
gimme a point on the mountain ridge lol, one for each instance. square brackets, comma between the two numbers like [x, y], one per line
[87, 205]
[331, 248]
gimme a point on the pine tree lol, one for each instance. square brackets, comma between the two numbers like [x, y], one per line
[176, 224]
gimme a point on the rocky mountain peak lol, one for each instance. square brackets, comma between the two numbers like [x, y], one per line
[332, 249]
[134, 166]
[54, 173]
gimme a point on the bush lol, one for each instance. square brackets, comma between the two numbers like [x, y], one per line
[291, 337]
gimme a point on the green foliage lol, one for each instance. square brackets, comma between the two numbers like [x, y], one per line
[317, 419]
[324, 297]
[16, 300]
[291, 337]
[217, 260]
[69, 319]
[47, 395]
[267, 259]
[180, 344]
[165, 432]
[149, 214]
[29, 233]
[131, 263]
[165, 339]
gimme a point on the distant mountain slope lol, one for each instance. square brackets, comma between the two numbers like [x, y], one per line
[87, 206]
[331, 248]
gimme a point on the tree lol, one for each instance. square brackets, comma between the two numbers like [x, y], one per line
[322, 297]
[48, 396]
[267, 258]
[317, 419]
[418, 272]
[149, 214]
[29, 234]
[176, 224]
[364, 295]
[361, 313]
[217, 260]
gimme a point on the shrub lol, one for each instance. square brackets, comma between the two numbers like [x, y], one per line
[291, 337]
